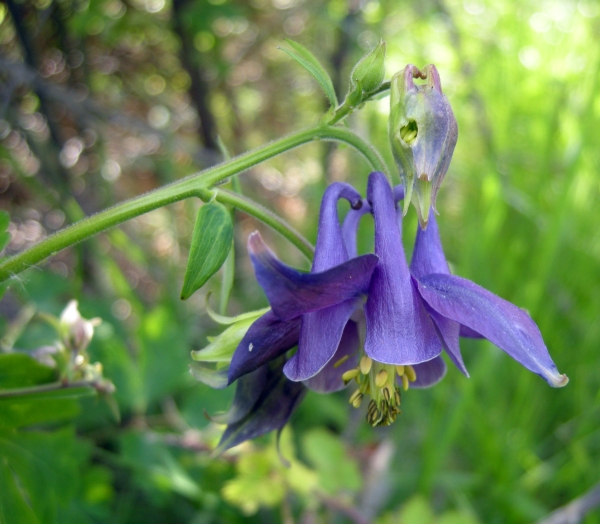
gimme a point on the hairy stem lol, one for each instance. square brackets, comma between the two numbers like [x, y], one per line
[192, 186]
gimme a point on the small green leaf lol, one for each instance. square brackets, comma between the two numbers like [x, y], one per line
[338, 471]
[211, 242]
[18, 370]
[307, 60]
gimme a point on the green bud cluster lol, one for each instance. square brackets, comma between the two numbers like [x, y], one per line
[370, 70]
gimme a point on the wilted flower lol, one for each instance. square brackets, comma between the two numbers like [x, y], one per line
[423, 134]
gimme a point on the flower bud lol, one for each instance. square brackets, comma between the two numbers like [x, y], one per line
[370, 69]
[423, 134]
[77, 331]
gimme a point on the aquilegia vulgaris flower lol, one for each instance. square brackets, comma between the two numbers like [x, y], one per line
[366, 319]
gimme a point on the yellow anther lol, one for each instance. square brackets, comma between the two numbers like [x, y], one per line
[349, 375]
[341, 361]
[365, 365]
[356, 402]
[410, 373]
[400, 370]
[354, 396]
[404, 382]
[381, 378]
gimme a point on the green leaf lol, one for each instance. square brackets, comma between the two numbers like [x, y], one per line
[44, 467]
[18, 370]
[222, 347]
[51, 406]
[13, 506]
[211, 242]
[307, 60]
[417, 509]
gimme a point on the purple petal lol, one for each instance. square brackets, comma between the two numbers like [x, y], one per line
[428, 255]
[501, 322]
[267, 339]
[320, 337]
[329, 379]
[429, 373]
[292, 293]
[330, 250]
[350, 227]
[278, 399]
[399, 329]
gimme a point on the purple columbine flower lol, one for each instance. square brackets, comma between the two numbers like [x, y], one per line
[396, 339]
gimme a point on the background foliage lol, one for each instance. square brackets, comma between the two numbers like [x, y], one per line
[101, 100]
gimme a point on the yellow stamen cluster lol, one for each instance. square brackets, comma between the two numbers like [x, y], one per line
[379, 382]
[409, 132]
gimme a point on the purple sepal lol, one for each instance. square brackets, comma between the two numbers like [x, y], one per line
[320, 337]
[501, 322]
[428, 255]
[448, 331]
[292, 293]
[267, 339]
[246, 395]
[469, 333]
[429, 373]
[278, 399]
[399, 329]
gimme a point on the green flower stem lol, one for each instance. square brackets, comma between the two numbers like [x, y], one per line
[344, 110]
[191, 186]
[269, 218]
[85, 386]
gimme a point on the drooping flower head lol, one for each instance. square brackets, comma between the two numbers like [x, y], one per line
[423, 134]
[366, 319]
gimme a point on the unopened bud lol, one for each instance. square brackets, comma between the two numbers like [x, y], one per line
[370, 69]
[77, 331]
[423, 134]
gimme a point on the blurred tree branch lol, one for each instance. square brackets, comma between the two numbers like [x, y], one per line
[81, 106]
[199, 89]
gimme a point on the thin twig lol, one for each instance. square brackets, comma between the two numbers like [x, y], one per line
[574, 511]
[341, 507]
